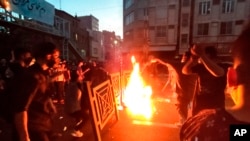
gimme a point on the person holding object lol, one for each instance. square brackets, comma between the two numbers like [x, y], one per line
[215, 124]
[31, 103]
[211, 81]
[182, 85]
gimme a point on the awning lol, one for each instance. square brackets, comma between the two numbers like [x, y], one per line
[162, 48]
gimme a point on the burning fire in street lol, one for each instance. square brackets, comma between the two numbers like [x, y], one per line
[137, 95]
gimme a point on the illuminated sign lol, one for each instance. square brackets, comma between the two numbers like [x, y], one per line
[39, 10]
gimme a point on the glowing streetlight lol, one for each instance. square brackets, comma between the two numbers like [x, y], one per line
[5, 4]
[115, 42]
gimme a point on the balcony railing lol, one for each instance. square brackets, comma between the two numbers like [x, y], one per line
[28, 23]
[16, 20]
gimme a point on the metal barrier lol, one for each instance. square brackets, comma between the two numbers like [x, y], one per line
[105, 99]
[103, 106]
[119, 82]
[117, 87]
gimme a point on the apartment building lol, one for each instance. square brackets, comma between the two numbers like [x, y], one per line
[170, 26]
[216, 22]
[75, 40]
[91, 24]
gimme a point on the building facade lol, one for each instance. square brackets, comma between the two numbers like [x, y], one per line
[75, 40]
[150, 25]
[91, 24]
[171, 26]
[78, 38]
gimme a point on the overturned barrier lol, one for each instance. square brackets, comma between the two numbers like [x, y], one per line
[117, 87]
[103, 106]
[119, 82]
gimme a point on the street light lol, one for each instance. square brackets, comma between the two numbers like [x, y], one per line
[5, 4]
[115, 51]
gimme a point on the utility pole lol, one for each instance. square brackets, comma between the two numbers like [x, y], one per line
[60, 5]
[146, 33]
[178, 29]
[191, 22]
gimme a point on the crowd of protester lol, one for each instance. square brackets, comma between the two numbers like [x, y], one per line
[212, 120]
[202, 81]
[31, 83]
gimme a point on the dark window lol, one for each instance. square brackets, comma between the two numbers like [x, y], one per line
[216, 2]
[185, 17]
[161, 31]
[185, 3]
[145, 11]
[171, 6]
[226, 28]
[241, 0]
[203, 29]
[184, 38]
[171, 26]
[228, 6]
[204, 8]
[128, 3]
[129, 35]
[151, 28]
[95, 51]
[239, 22]
[129, 18]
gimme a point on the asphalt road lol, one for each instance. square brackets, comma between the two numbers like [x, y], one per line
[160, 127]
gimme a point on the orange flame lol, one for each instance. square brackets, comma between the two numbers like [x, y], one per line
[137, 96]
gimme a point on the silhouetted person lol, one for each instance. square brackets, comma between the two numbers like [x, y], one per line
[15, 70]
[74, 104]
[96, 74]
[214, 124]
[31, 103]
[211, 78]
[185, 89]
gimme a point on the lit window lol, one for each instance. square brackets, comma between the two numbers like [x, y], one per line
[204, 8]
[228, 6]
[76, 37]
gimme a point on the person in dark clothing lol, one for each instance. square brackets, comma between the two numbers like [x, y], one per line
[96, 74]
[214, 124]
[185, 89]
[182, 85]
[22, 60]
[211, 78]
[15, 69]
[31, 103]
[74, 104]
[3, 67]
